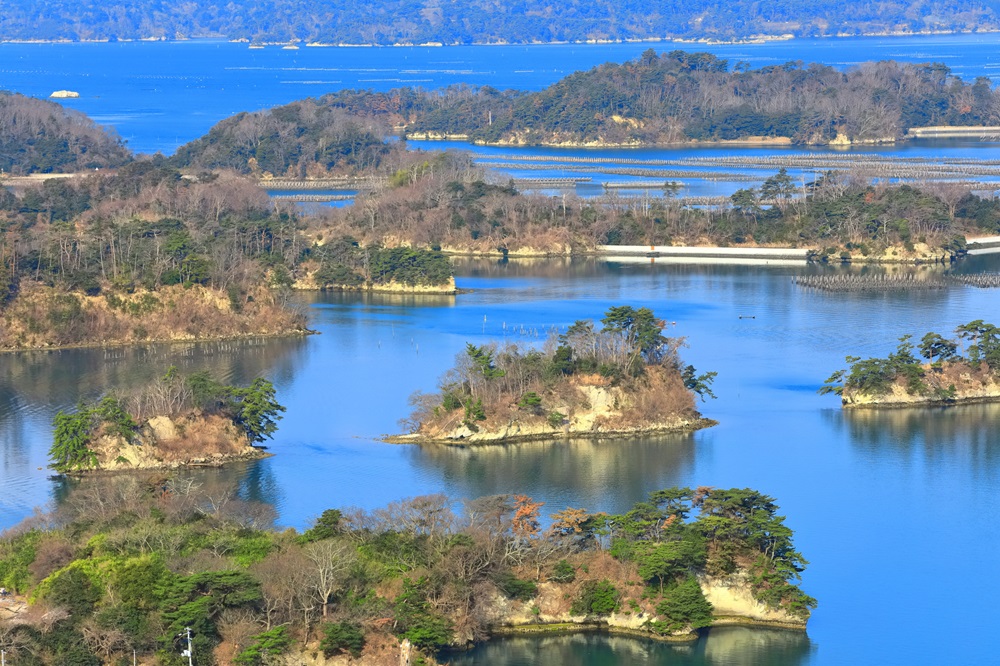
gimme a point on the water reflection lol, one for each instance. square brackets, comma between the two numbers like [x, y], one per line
[966, 432]
[606, 474]
[721, 647]
[35, 385]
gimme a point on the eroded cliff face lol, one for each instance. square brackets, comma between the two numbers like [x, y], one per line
[591, 407]
[166, 442]
[970, 385]
[732, 597]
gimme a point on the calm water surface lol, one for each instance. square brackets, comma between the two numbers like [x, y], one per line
[895, 510]
[160, 95]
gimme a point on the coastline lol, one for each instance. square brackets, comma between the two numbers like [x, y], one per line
[603, 626]
[489, 439]
[204, 462]
[750, 40]
[165, 341]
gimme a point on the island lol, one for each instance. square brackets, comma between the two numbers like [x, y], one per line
[624, 379]
[131, 563]
[945, 373]
[176, 421]
[464, 22]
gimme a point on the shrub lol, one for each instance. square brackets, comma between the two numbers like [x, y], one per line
[513, 587]
[342, 637]
[563, 572]
[685, 606]
[596, 598]
[265, 646]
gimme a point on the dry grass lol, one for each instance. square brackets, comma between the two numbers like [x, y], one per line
[44, 317]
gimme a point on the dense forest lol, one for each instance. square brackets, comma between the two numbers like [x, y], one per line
[475, 21]
[127, 563]
[302, 138]
[38, 136]
[146, 253]
[679, 96]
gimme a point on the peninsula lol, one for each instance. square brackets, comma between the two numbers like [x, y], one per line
[945, 374]
[128, 563]
[622, 379]
[173, 422]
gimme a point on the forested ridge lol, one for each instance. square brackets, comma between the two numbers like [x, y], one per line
[129, 562]
[38, 136]
[476, 21]
[678, 96]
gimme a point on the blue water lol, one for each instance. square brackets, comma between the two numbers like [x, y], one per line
[159, 95]
[895, 510]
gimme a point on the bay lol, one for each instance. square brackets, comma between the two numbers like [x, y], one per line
[895, 510]
[159, 95]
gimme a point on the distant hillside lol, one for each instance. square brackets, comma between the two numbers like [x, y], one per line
[468, 21]
[37, 136]
[295, 136]
[680, 96]
[655, 99]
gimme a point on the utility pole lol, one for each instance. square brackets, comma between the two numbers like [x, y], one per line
[189, 652]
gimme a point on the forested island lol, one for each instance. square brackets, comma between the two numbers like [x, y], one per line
[945, 373]
[676, 96]
[131, 562]
[147, 253]
[174, 421]
[475, 21]
[623, 379]
[148, 249]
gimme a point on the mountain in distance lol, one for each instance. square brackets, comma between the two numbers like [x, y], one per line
[478, 21]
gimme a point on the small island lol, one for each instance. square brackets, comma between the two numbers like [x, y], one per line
[946, 375]
[128, 563]
[623, 379]
[173, 422]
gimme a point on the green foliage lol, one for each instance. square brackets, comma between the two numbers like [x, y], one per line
[684, 607]
[256, 410]
[474, 410]
[596, 598]
[16, 555]
[416, 620]
[876, 376]
[265, 648]
[342, 637]
[73, 589]
[450, 401]
[513, 587]
[482, 359]
[409, 266]
[662, 563]
[71, 437]
[116, 420]
[140, 580]
[530, 401]
[556, 419]
[700, 384]
[326, 526]
[563, 572]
